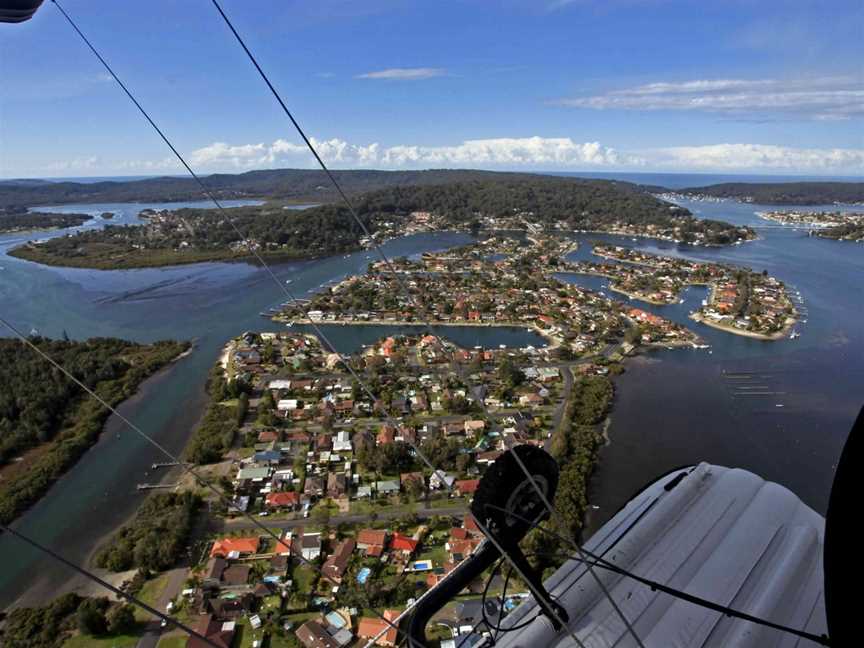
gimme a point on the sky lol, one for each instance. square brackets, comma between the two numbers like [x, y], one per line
[732, 86]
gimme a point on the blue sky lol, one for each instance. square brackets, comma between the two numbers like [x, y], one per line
[732, 86]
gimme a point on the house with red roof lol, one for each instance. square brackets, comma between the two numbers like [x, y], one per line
[288, 500]
[403, 544]
[466, 486]
[225, 546]
[372, 542]
[370, 627]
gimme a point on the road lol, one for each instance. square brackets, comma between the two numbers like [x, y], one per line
[242, 523]
[175, 580]
[561, 409]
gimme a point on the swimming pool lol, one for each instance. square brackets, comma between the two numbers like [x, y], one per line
[363, 574]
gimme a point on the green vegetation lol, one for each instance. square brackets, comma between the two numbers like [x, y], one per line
[575, 448]
[783, 193]
[50, 420]
[154, 540]
[97, 621]
[194, 235]
[217, 429]
[23, 221]
[845, 232]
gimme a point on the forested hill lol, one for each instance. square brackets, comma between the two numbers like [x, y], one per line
[47, 420]
[781, 193]
[195, 235]
[301, 185]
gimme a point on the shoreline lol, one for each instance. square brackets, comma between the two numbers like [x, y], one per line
[768, 337]
[47, 589]
[552, 342]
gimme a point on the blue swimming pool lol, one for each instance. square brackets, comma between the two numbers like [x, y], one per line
[363, 574]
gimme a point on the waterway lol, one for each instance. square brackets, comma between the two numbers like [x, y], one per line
[673, 407]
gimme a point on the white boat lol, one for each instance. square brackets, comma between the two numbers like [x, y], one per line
[794, 334]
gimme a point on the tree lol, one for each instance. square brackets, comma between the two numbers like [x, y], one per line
[91, 617]
[121, 619]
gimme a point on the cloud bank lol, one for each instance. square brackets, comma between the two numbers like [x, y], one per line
[824, 98]
[506, 153]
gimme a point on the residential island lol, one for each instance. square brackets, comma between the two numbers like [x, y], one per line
[740, 301]
[847, 226]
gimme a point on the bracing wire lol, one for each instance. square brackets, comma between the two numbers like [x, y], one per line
[362, 225]
[186, 467]
[107, 585]
[584, 555]
[579, 550]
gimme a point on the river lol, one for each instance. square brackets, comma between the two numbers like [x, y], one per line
[672, 408]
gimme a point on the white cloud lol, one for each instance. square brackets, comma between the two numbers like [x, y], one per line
[818, 98]
[759, 157]
[404, 74]
[508, 152]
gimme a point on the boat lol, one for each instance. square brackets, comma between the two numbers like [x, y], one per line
[794, 334]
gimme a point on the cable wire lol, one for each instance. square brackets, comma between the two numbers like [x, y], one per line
[107, 585]
[657, 586]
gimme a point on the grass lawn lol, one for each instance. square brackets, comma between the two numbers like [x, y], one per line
[150, 593]
[86, 641]
[176, 641]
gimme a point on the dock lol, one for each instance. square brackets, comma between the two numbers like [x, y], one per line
[142, 487]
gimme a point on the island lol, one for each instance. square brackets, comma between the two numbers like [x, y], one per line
[774, 193]
[12, 221]
[46, 421]
[740, 301]
[538, 204]
[844, 226]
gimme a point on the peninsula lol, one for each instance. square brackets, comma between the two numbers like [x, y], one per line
[12, 220]
[535, 204]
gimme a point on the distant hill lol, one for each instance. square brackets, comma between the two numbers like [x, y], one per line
[195, 235]
[298, 185]
[779, 193]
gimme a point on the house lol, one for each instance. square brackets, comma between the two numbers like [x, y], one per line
[213, 572]
[388, 487]
[218, 633]
[530, 399]
[342, 442]
[370, 627]
[386, 435]
[466, 486]
[307, 545]
[268, 436]
[335, 566]
[459, 550]
[253, 474]
[439, 480]
[236, 574]
[268, 457]
[337, 485]
[403, 544]
[313, 635]
[453, 429]
[314, 486]
[288, 500]
[223, 547]
[473, 427]
[372, 542]
[412, 480]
